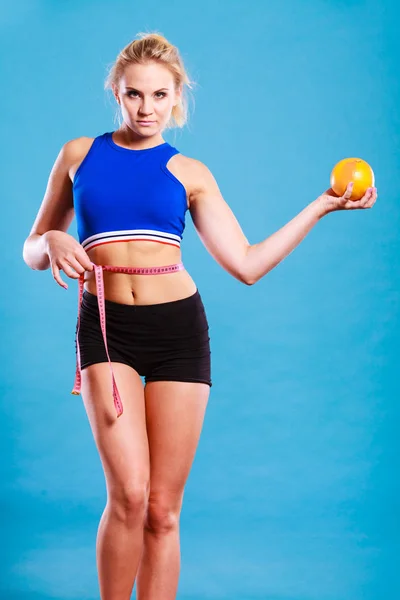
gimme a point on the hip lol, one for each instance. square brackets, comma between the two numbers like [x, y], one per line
[183, 320]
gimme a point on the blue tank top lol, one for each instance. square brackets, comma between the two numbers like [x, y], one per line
[124, 195]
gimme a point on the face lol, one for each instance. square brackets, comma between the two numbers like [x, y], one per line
[147, 93]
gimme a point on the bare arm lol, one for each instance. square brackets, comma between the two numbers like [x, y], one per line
[221, 234]
[56, 211]
[263, 257]
[35, 253]
[215, 222]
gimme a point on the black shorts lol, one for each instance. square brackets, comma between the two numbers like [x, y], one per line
[162, 342]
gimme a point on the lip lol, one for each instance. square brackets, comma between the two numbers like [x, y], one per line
[146, 122]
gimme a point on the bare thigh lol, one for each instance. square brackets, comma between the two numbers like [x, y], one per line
[175, 413]
[122, 442]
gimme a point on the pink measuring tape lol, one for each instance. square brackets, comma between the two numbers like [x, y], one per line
[98, 269]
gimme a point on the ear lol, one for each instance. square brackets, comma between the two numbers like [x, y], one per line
[115, 92]
[178, 94]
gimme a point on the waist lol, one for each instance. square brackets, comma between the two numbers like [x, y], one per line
[144, 270]
[140, 285]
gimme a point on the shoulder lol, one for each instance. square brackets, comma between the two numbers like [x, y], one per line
[73, 152]
[195, 174]
[76, 146]
[190, 164]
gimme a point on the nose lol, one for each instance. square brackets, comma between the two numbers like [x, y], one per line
[146, 107]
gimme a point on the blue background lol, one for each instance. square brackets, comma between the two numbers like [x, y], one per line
[294, 492]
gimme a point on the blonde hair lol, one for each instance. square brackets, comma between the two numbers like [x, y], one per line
[155, 47]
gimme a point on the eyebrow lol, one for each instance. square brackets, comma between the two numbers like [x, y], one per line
[127, 87]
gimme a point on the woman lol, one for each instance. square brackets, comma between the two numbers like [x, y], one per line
[131, 186]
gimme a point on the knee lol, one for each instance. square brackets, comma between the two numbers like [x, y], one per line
[162, 515]
[129, 502]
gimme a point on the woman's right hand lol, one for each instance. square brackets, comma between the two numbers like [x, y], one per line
[66, 253]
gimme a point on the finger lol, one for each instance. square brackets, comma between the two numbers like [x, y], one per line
[367, 201]
[63, 264]
[367, 198]
[85, 261]
[373, 198]
[75, 264]
[56, 274]
[348, 192]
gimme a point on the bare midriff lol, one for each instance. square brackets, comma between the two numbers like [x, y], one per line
[138, 289]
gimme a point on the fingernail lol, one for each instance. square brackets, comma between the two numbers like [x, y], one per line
[351, 184]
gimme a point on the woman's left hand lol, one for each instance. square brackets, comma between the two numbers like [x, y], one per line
[331, 202]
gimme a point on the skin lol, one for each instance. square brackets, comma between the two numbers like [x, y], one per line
[145, 467]
[152, 99]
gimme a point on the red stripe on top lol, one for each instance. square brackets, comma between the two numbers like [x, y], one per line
[134, 240]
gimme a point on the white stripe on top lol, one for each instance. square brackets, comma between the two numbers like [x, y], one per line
[131, 235]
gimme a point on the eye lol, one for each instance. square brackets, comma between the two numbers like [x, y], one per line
[133, 92]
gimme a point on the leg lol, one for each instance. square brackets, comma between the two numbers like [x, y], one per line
[123, 447]
[174, 414]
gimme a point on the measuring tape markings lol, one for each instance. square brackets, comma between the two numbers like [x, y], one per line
[98, 269]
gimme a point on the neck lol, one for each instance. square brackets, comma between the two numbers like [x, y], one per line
[126, 137]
